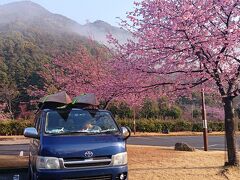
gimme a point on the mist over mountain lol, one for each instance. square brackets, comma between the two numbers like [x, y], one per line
[99, 29]
[28, 15]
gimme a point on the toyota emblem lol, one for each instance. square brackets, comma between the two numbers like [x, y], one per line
[88, 154]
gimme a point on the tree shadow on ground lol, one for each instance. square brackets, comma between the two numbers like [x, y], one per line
[175, 168]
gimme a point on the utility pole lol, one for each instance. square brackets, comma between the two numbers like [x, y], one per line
[192, 110]
[204, 118]
[134, 120]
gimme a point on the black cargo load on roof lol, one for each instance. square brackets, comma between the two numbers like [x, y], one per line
[54, 100]
[85, 101]
[62, 99]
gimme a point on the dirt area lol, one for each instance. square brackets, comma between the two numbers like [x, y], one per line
[153, 163]
[13, 140]
[11, 137]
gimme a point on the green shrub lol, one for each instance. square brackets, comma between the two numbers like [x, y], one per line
[149, 109]
[174, 112]
[154, 125]
[196, 113]
[122, 110]
[197, 127]
[182, 126]
[168, 125]
[158, 126]
[216, 126]
[14, 127]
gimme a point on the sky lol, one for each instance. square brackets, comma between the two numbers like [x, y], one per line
[83, 11]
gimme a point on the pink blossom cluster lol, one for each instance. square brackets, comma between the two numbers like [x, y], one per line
[80, 73]
[215, 113]
[182, 46]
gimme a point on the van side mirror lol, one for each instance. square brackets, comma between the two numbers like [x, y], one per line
[126, 132]
[31, 132]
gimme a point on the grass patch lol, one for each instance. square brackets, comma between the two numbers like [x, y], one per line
[150, 163]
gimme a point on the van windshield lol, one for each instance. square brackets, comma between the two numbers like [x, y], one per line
[79, 121]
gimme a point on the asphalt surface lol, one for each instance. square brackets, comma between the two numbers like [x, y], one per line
[214, 143]
[13, 149]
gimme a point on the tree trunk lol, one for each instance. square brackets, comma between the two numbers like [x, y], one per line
[230, 132]
[106, 104]
[9, 106]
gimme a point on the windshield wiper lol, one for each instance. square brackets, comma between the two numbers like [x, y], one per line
[108, 131]
[73, 132]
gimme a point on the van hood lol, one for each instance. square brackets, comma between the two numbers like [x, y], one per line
[66, 146]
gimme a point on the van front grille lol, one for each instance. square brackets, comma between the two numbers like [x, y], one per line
[82, 163]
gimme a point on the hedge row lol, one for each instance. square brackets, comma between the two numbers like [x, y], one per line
[14, 127]
[146, 125]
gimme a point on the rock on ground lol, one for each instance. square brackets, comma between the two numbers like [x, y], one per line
[183, 147]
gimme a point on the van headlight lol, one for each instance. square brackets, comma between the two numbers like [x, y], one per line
[119, 159]
[47, 163]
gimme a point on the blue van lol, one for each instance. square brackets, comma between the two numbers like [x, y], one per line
[77, 143]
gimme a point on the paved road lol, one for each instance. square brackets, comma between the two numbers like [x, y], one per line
[215, 143]
[13, 149]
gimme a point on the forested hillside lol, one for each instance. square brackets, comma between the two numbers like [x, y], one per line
[30, 39]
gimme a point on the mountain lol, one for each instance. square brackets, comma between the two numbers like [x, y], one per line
[99, 29]
[26, 14]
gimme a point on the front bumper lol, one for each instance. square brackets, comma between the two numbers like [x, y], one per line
[110, 172]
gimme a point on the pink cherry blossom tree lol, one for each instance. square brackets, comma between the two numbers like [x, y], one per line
[81, 72]
[181, 46]
[77, 73]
